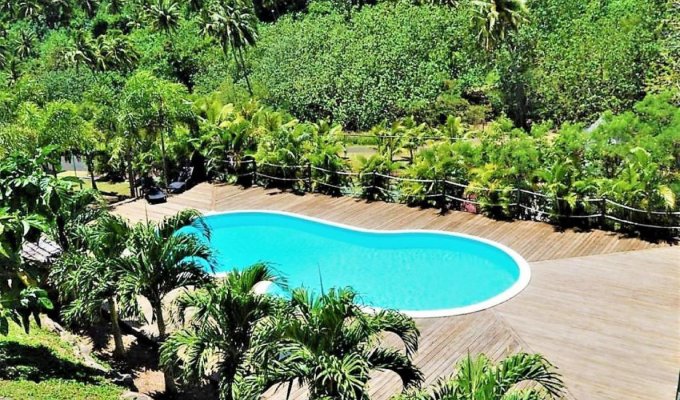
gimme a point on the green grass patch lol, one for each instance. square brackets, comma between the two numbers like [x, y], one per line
[121, 188]
[40, 365]
[56, 389]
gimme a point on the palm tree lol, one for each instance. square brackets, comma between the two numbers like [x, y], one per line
[80, 53]
[479, 379]
[221, 331]
[88, 276]
[495, 19]
[161, 259]
[24, 47]
[328, 344]
[164, 15]
[89, 6]
[29, 9]
[3, 53]
[235, 27]
[113, 52]
[115, 6]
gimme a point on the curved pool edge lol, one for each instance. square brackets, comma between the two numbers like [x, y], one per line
[520, 284]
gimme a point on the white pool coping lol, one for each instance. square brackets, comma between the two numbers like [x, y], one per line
[519, 285]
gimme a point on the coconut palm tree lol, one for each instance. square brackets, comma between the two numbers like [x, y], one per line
[479, 379]
[161, 259]
[80, 53]
[29, 9]
[89, 6]
[220, 330]
[234, 26]
[88, 276]
[330, 346]
[495, 19]
[113, 52]
[25, 44]
[164, 15]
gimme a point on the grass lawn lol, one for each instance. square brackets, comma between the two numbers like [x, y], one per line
[122, 188]
[41, 366]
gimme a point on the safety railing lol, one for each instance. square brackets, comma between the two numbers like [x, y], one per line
[447, 194]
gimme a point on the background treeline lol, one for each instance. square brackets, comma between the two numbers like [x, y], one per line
[143, 88]
[353, 63]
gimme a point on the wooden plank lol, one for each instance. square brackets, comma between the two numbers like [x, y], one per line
[608, 319]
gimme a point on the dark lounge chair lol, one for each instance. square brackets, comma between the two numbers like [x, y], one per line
[152, 193]
[182, 182]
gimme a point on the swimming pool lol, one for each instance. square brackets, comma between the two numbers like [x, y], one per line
[421, 273]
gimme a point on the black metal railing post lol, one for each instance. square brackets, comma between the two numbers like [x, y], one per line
[309, 177]
[603, 212]
[254, 172]
[442, 187]
[374, 185]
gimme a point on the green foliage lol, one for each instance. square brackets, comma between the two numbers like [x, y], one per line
[223, 330]
[42, 366]
[480, 379]
[328, 344]
[359, 73]
[592, 56]
[160, 259]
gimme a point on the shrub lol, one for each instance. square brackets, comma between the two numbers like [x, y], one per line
[358, 73]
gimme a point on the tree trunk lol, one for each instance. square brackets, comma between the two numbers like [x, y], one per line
[160, 321]
[162, 124]
[169, 378]
[168, 375]
[90, 169]
[131, 176]
[75, 172]
[243, 69]
[166, 177]
[61, 233]
[119, 349]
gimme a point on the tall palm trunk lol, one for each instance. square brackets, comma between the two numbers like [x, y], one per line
[241, 64]
[75, 171]
[119, 349]
[168, 374]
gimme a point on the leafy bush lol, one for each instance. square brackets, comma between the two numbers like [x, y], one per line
[362, 72]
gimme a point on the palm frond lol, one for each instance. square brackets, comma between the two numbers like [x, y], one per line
[393, 360]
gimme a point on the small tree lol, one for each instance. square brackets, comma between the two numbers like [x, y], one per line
[221, 330]
[328, 344]
[88, 277]
[153, 106]
[479, 379]
[161, 259]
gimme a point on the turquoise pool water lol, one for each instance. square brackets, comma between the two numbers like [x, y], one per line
[425, 273]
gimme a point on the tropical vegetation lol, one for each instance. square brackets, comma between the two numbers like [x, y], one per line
[553, 110]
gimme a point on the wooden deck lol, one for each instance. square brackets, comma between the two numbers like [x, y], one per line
[603, 308]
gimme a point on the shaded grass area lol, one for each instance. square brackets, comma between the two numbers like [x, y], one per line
[39, 365]
[120, 188]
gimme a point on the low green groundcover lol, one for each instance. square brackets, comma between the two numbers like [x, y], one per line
[42, 366]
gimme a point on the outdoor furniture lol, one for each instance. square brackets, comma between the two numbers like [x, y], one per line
[182, 182]
[152, 193]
